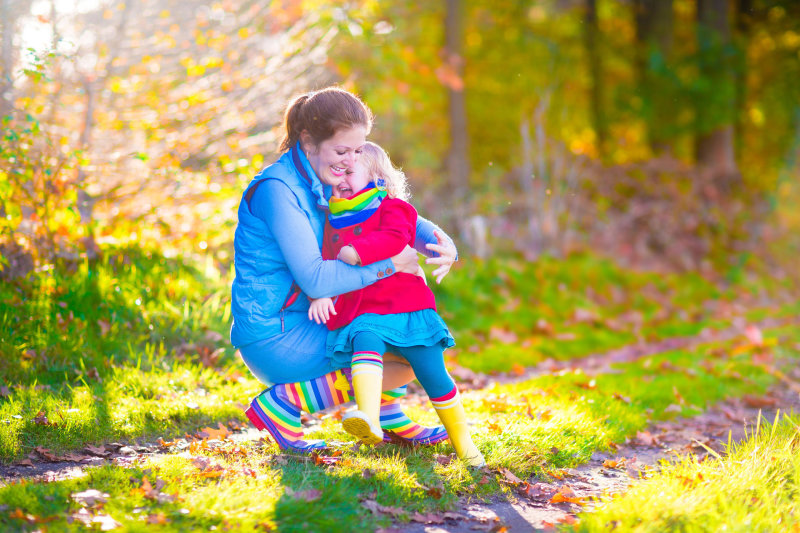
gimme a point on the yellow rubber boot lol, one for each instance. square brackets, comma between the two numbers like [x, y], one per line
[451, 413]
[367, 375]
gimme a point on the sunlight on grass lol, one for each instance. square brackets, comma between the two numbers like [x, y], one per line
[754, 487]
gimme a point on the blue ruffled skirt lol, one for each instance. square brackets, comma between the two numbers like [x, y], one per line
[417, 328]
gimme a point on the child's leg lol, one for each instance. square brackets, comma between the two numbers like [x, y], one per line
[367, 374]
[428, 364]
[394, 420]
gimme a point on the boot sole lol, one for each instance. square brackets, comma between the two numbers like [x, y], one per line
[360, 429]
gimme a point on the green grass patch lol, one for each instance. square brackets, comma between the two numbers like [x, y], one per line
[513, 312]
[754, 486]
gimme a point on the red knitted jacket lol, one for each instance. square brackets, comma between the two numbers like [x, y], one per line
[381, 236]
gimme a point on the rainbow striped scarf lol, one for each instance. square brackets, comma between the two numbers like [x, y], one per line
[356, 209]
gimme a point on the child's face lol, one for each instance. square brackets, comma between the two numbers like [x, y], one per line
[355, 179]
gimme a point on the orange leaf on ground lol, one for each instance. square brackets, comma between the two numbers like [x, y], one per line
[216, 434]
[158, 519]
[646, 438]
[518, 369]
[495, 427]
[568, 519]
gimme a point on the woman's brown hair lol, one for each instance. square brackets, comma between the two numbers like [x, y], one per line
[322, 113]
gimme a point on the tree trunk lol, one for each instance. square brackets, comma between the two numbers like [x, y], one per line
[745, 13]
[458, 166]
[457, 162]
[654, 39]
[597, 97]
[7, 25]
[715, 113]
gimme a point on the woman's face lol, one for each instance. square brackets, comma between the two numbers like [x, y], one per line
[331, 158]
[355, 179]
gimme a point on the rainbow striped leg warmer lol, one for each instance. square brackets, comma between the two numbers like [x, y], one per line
[278, 408]
[394, 420]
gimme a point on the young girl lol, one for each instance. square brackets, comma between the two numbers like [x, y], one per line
[370, 220]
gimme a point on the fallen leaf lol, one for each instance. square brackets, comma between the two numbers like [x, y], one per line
[106, 522]
[537, 491]
[646, 438]
[104, 327]
[157, 519]
[429, 518]
[47, 454]
[215, 434]
[544, 327]
[759, 402]
[754, 335]
[19, 514]
[90, 497]
[503, 335]
[97, 450]
[495, 427]
[443, 460]
[201, 462]
[566, 495]
[376, 508]
[309, 495]
[610, 463]
[568, 519]
[620, 397]
[25, 462]
[518, 369]
[509, 476]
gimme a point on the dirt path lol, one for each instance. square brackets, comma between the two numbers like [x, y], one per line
[528, 506]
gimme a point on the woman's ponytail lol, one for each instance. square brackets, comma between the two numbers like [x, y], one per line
[293, 123]
[322, 113]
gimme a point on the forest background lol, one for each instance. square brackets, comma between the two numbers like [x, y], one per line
[621, 178]
[662, 133]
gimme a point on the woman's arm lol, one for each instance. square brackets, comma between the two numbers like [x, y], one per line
[426, 234]
[278, 207]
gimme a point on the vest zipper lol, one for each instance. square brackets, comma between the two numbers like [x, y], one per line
[291, 297]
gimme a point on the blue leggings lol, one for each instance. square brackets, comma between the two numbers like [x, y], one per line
[427, 361]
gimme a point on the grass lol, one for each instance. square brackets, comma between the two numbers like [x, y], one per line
[134, 347]
[754, 486]
[534, 428]
[513, 312]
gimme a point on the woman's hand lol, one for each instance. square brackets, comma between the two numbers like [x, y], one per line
[320, 310]
[406, 261]
[447, 256]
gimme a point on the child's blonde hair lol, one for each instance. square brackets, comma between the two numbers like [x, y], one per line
[379, 167]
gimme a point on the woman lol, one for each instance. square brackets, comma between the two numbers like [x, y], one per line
[279, 266]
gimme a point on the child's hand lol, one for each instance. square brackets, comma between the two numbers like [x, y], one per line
[321, 310]
[349, 255]
[421, 273]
